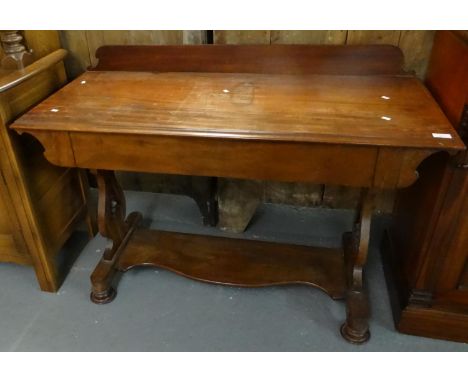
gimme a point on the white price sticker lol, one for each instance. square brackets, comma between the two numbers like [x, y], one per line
[442, 135]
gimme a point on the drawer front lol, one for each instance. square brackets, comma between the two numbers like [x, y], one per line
[247, 159]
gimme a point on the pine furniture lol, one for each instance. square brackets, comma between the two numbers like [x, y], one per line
[40, 204]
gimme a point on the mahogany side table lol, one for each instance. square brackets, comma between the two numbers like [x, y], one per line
[247, 112]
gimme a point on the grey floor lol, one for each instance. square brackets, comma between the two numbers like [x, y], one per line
[156, 310]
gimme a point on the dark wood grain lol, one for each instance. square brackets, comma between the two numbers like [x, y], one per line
[426, 251]
[238, 262]
[449, 87]
[327, 109]
[273, 59]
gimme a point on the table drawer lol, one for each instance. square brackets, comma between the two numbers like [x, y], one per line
[247, 159]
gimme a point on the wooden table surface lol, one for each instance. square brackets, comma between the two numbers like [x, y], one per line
[393, 111]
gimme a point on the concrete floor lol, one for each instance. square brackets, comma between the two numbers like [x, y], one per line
[156, 310]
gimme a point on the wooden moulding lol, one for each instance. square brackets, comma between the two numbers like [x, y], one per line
[414, 310]
[57, 147]
[227, 158]
[236, 262]
[310, 108]
[19, 76]
[398, 168]
[384, 168]
[427, 323]
[278, 59]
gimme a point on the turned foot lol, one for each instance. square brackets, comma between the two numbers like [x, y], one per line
[103, 297]
[113, 226]
[353, 336]
[203, 191]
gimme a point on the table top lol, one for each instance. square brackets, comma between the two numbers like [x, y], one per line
[395, 111]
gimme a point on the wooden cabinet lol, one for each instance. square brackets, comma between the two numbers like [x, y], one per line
[426, 251]
[40, 204]
[12, 242]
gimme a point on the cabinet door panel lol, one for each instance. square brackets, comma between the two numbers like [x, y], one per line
[12, 244]
[450, 241]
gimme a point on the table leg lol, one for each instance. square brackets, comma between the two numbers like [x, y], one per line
[356, 327]
[203, 191]
[112, 225]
